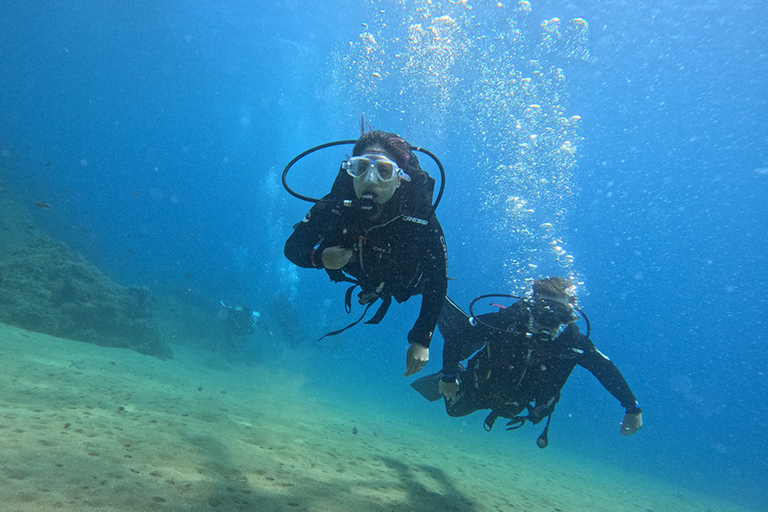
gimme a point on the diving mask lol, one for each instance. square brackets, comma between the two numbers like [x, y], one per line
[383, 168]
[551, 312]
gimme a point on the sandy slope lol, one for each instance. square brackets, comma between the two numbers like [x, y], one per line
[84, 427]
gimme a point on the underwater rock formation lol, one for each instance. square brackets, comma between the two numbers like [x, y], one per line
[46, 287]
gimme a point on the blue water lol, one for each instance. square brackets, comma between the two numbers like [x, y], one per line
[158, 131]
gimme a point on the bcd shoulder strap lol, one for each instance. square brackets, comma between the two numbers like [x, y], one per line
[386, 301]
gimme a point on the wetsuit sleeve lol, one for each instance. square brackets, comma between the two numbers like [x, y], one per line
[301, 246]
[435, 285]
[607, 373]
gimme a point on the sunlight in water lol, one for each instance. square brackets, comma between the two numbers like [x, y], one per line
[438, 63]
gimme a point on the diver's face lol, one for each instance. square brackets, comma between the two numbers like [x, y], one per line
[548, 318]
[369, 185]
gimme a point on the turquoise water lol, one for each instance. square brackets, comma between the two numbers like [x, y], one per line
[620, 144]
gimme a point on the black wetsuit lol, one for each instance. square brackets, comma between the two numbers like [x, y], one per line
[397, 255]
[511, 372]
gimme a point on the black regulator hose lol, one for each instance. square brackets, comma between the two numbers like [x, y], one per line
[341, 142]
[442, 174]
[474, 320]
[302, 155]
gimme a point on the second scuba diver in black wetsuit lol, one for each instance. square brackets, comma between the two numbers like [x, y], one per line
[377, 229]
[523, 356]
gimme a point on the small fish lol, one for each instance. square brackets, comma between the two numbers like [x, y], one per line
[48, 164]
[42, 204]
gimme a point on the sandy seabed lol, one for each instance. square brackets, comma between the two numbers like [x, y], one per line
[83, 427]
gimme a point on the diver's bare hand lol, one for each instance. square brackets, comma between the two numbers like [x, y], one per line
[336, 257]
[631, 424]
[415, 359]
[449, 389]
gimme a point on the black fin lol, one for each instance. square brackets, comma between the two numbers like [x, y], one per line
[429, 386]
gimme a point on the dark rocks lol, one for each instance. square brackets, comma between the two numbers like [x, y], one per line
[48, 288]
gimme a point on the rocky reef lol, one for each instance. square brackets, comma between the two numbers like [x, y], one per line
[46, 287]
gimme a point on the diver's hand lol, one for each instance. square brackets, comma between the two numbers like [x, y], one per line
[415, 359]
[449, 389]
[631, 424]
[336, 257]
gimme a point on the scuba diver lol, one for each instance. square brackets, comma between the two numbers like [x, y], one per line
[377, 230]
[523, 356]
[239, 320]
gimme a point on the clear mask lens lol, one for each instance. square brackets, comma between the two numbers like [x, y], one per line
[385, 169]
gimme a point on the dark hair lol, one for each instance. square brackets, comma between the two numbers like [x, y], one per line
[554, 287]
[392, 143]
